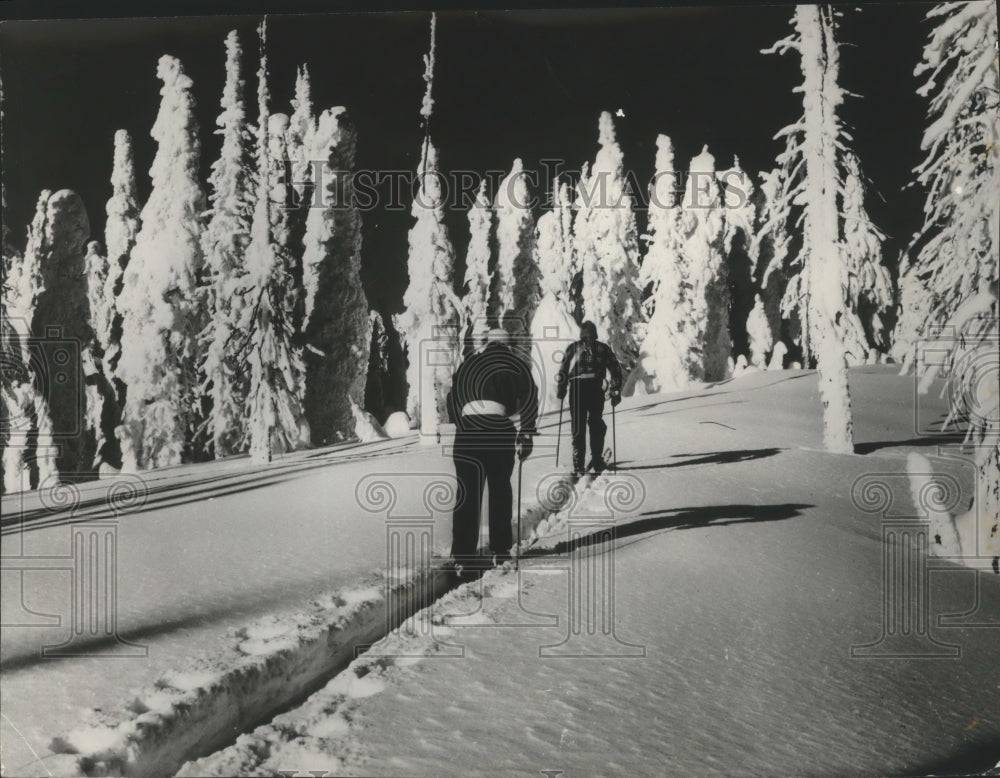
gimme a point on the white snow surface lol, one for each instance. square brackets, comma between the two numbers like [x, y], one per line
[742, 578]
[741, 584]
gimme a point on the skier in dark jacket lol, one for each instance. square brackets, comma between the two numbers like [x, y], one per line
[583, 370]
[488, 388]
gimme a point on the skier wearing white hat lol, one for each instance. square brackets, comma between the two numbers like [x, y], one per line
[489, 387]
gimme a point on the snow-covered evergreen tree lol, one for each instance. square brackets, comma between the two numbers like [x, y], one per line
[287, 223]
[277, 374]
[955, 254]
[477, 259]
[300, 155]
[9, 361]
[301, 124]
[432, 316]
[707, 299]
[869, 284]
[101, 310]
[759, 332]
[772, 224]
[5, 231]
[553, 327]
[665, 355]
[338, 329]
[318, 220]
[163, 314]
[517, 290]
[740, 215]
[102, 409]
[25, 462]
[768, 253]
[970, 341]
[302, 152]
[60, 326]
[225, 242]
[96, 274]
[607, 247]
[120, 230]
[688, 334]
[811, 189]
[24, 283]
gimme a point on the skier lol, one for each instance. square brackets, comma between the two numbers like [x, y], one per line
[582, 372]
[488, 388]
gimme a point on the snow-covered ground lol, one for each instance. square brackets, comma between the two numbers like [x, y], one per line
[207, 550]
[741, 573]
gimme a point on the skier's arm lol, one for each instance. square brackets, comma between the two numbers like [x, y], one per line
[615, 369]
[529, 406]
[453, 393]
[562, 377]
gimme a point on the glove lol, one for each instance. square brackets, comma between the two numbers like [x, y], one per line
[561, 390]
[616, 397]
[525, 445]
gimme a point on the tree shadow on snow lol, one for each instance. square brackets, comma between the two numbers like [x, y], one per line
[678, 519]
[715, 458]
[696, 407]
[932, 440]
[176, 493]
[106, 645]
[977, 759]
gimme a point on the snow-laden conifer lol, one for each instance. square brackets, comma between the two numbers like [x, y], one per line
[162, 311]
[25, 408]
[338, 329]
[120, 230]
[477, 259]
[739, 212]
[100, 310]
[955, 254]
[60, 327]
[301, 124]
[760, 335]
[225, 243]
[606, 242]
[553, 327]
[869, 286]
[431, 318]
[665, 356]
[706, 305]
[810, 190]
[275, 418]
[517, 287]
[969, 341]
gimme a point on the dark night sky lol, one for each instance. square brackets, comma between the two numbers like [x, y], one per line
[527, 84]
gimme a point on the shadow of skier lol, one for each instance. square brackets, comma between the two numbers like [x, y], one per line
[678, 519]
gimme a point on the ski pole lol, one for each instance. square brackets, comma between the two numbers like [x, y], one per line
[559, 430]
[517, 559]
[614, 437]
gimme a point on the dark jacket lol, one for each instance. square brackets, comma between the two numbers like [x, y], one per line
[499, 375]
[583, 361]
